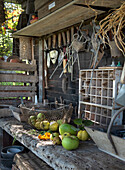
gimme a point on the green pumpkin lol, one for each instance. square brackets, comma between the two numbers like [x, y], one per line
[68, 128]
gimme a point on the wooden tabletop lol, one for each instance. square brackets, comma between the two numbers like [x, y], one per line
[87, 156]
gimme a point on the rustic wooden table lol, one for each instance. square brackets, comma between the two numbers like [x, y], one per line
[87, 156]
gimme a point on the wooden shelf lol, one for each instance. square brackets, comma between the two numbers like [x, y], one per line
[66, 16]
[100, 105]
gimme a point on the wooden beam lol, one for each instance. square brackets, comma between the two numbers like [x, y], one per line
[41, 70]
[17, 94]
[102, 3]
[18, 78]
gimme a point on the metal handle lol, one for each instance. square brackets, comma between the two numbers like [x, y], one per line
[110, 126]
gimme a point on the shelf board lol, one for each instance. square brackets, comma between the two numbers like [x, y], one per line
[98, 105]
[98, 87]
[65, 16]
[97, 114]
[101, 69]
[105, 68]
[94, 95]
[100, 78]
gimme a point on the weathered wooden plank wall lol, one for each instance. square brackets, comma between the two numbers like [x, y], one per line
[72, 94]
[17, 80]
[55, 84]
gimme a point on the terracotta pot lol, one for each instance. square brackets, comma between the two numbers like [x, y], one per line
[15, 60]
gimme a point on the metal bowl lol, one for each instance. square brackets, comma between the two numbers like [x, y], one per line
[7, 151]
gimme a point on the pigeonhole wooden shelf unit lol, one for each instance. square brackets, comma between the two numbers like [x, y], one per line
[98, 96]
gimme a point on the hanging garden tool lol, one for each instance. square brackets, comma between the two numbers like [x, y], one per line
[54, 52]
[72, 53]
[48, 56]
[96, 41]
[65, 51]
[61, 56]
[96, 44]
[64, 48]
[45, 64]
[68, 50]
[76, 45]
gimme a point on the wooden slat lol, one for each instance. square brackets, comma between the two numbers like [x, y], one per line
[16, 94]
[18, 78]
[30, 161]
[103, 3]
[18, 88]
[13, 101]
[64, 17]
[17, 66]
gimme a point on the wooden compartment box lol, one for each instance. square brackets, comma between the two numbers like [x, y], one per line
[45, 8]
[99, 107]
[39, 3]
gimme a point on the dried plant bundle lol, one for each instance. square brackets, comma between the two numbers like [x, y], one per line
[114, 22]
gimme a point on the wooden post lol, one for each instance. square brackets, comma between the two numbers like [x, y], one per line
[30, 8]
[32, 47]
[41, 64]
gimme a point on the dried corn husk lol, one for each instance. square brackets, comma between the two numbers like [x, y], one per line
[114, 22]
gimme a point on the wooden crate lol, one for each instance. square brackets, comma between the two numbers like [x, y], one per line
[5, 111]
[17, 80]
[38, 4]
[99, 136]
[99, 106]
[51, 6]
[26, 161]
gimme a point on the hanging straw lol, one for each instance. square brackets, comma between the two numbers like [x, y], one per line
[114, 22]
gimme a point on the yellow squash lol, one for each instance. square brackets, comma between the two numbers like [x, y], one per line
[82, 135]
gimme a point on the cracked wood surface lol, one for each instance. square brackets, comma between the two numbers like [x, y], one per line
[87, 156]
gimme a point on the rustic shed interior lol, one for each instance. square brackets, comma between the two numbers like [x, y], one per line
[58, 57]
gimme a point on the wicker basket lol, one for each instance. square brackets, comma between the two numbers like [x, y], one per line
[51, 111]
[18, 115]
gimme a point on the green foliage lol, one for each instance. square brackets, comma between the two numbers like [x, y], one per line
[6, 45]
[78, 121]
[8, 27]
[14, 140]
[81, 123]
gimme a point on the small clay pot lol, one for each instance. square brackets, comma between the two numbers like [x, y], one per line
[15, 60]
